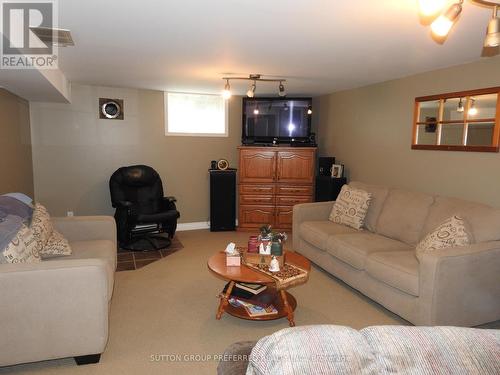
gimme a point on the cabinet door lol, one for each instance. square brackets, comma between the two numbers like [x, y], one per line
[296, 166]
[284, 217]
[257, 166]
[255, 216]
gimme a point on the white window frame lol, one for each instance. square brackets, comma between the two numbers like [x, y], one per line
[178, 134]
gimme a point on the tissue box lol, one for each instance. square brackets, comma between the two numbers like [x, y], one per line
[233, 260]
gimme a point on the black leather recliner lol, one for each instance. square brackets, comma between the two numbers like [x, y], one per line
[141, 208]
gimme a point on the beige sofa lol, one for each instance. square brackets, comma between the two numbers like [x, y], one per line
[456, 286]
[59, 308]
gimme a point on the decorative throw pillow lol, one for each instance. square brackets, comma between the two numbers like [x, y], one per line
[22, 248]
[56, 246]
[41, 225]
[451, 233]
[351, 207]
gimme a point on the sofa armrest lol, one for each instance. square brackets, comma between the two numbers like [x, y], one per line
[80, 228]
[309, 211]
[461, 286]
[53, 310]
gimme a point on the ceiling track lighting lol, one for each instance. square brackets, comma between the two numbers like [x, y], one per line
[446, 18]
[226, 93]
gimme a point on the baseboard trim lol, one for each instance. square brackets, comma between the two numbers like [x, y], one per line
[181, 227]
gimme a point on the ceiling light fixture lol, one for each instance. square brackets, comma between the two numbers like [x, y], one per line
[226, 94]
[430, 7]
[309, 110]
[493, 34]
[254, 78]
[281, 89]
[472, 110]
[251, 90]
[443, 24]
[460, 107]
[444, 21]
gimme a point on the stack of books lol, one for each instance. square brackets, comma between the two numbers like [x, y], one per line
[250, 297]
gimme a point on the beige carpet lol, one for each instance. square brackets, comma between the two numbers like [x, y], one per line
[168, 308]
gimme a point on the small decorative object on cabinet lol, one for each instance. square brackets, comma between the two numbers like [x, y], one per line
[328, 188]
[222, 200]
[271, 181]
[338, 170]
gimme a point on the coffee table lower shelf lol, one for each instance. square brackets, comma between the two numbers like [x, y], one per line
[283, 301]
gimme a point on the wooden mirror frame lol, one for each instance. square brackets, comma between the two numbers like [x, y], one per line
[495, 142]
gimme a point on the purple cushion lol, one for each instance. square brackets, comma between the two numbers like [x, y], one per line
[13, 206]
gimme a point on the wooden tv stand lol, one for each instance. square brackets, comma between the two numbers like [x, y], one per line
[271, 180]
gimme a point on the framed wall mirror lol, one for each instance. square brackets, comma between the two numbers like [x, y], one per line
[458, 121]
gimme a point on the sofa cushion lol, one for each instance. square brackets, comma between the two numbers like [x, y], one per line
[403, 215]
[317, 232]
[318, 349]
[379, 194]
[434, 350]
[100, 249]
[41, 225]
[351, 207]
[484, 221]
[56, 246]
[22, 248]
[398, 269]
[451, 233]
[354, 248]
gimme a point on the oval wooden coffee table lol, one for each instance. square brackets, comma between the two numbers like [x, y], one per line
[284, 302]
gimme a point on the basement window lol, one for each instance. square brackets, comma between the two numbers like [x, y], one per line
[200, 115]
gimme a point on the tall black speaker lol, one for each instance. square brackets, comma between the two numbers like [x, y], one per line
[222, 200]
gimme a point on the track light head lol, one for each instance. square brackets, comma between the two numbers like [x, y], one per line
[430, 8]
[493, 34]
[251, 90]
[472, 109]
[443, 24]
[281, 89]
[226, 94]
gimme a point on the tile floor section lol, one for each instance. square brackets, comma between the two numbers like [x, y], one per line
[133, 260]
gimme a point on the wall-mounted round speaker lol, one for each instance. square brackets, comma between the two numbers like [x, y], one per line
[110, 109]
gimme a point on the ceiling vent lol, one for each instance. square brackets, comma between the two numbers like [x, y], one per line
[56, 37]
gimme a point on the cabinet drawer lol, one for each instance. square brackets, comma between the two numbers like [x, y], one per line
[284, 217]
[255, 216]
[294, 190]
[282, 200]
[257, 199]
[256, 189]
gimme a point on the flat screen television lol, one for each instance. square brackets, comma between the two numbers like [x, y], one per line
[276, 120]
